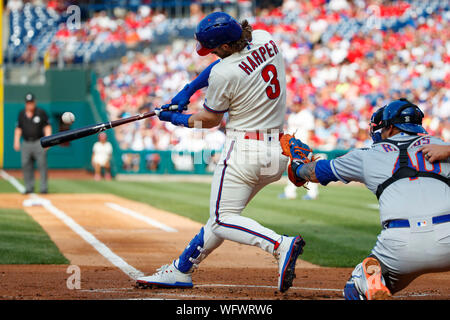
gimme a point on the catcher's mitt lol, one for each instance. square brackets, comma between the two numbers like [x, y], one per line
[296, 151]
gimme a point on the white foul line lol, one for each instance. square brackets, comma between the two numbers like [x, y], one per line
[139, 216]
[87, 236]
[265, 287]
[13, 181]
[93, 241]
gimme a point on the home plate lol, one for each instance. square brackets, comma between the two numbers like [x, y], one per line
[35, 202]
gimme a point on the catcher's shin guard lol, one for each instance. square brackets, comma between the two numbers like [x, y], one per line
[350, 291]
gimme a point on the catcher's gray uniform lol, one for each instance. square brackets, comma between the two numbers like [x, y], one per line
[414, 212]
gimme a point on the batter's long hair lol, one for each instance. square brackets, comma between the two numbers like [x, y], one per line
[246, 37]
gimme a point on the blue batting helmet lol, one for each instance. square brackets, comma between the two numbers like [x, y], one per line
[215, 29]
[400, 113]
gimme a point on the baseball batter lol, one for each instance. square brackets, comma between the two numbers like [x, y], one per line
[414, 199]
[249, 83]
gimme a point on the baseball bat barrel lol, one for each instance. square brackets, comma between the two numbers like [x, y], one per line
[70, 135]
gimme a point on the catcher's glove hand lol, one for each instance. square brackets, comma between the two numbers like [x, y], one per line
[299, 154]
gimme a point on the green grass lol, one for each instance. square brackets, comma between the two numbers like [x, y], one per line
[23, 241]
[339, 228]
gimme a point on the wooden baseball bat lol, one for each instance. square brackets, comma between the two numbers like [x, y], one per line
[69, 135]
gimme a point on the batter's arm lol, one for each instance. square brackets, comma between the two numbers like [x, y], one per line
[205, 119]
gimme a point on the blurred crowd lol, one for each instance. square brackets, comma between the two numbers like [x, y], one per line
[344, 59]
[336, 84]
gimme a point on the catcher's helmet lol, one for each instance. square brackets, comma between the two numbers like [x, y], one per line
[215, 29]
[402, 114]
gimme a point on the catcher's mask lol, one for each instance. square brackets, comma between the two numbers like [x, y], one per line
[400, 113]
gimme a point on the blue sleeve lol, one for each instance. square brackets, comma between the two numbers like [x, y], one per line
[324, 173]
[202, 79]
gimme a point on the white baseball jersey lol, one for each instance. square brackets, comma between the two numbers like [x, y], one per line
[406, 198]
[300, 124]
[102, 152]
[250, 86]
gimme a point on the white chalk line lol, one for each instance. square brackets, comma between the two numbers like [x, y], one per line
[125, 267]
[139, 216]
[83, 233]
[133, 290]
[264, 287]
[94, 242]
[13, 181]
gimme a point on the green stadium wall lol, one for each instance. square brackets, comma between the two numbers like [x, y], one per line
[64, 90]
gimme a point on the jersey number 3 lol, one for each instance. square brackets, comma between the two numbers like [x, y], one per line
[270, 74]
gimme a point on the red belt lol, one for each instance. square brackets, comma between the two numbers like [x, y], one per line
[258, 135]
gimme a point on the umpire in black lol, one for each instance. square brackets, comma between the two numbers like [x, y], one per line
[32, 125]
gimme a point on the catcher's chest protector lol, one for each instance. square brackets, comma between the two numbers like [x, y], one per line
[405, 167]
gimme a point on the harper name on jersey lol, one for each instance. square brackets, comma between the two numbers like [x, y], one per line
[250, 86]
[259, 56]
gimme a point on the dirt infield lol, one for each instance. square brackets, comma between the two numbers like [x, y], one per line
[144, 238]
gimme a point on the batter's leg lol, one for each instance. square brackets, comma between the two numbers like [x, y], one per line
[229, 196]
[198, 249]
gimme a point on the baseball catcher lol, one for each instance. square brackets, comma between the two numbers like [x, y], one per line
[413, 194]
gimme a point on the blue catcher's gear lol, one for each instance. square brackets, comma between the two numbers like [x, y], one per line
[375, 122]
[215, 29]
[350, 291]
[400, 113]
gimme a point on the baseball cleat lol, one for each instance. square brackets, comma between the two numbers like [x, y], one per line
[376, 290]
[168, 276]
[286, 254]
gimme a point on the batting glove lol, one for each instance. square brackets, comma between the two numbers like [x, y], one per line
[174, 117]
[181, 99]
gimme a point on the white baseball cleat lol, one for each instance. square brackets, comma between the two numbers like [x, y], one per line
[168, 276]
[286, 254]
